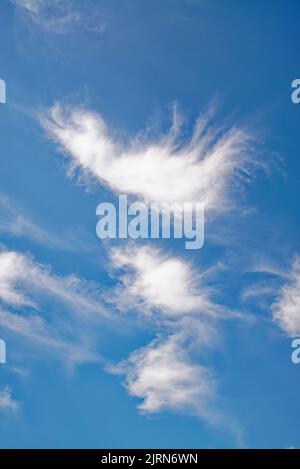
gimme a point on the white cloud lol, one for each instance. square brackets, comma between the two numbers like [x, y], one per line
[61, 16]
[286, 308]
[163, 376]
[7, 403]
[155, 281]
[205, 169]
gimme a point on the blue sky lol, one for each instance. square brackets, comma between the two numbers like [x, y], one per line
[100, 353]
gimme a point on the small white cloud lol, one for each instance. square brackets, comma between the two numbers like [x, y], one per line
[155, 281]
[207, 168]
[286, 309]
[7, 403]
[163, 376]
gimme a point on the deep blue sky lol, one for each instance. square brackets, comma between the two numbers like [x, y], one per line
[151, 54]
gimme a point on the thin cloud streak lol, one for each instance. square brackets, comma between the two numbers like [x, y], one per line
[59, 316]
[61, 16]
[18, 224]
[20, 275]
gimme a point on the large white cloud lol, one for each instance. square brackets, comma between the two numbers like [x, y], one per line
[206, 169]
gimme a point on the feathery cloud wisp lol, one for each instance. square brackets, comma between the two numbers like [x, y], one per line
[155, 281]
[286, 309]
[20, 275]
[205, 169]
[50, 339]
[26, 287]
[163, 376]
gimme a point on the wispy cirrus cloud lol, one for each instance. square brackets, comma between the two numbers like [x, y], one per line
[163, 376]
[58, 315]
[277, 291]
[49, 338]
[7, 403]
[21, 277]
[155, 281]
[62, 16]
[207, 168]
[286, 308]
[162, 286]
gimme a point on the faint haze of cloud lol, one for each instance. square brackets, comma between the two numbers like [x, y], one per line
[21, 276]
[49, 340]
[208, 168]
[13, 222]
[7, 403]
[62, 16]
[26, 288]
